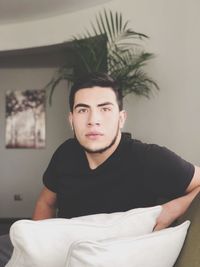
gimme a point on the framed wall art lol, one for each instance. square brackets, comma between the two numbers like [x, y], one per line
[25, 119]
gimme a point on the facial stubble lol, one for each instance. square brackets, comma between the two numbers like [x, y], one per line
[100, 150]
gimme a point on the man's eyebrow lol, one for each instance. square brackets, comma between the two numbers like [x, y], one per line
[81, 105]
[105, 104]
[87, 106]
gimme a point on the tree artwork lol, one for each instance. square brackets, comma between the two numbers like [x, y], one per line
[25, 119]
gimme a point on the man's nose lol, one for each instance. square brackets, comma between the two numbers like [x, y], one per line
[94, 118]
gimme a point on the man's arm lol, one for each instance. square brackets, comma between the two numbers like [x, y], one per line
[175, 208]
[45, 206]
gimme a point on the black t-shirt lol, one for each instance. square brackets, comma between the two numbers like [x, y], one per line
[135, 175]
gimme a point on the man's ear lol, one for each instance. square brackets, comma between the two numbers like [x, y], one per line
[122, 118]
[70, 120]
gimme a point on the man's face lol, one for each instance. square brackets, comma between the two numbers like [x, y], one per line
[96, 119]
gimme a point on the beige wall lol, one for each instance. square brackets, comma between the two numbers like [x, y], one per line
[22, 169]
[170, 117]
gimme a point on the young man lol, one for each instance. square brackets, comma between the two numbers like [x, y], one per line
[102, 170]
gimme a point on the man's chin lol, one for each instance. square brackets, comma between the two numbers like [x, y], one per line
[102, 149]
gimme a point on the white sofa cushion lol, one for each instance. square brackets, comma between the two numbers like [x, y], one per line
[157, 249]
[45, 243]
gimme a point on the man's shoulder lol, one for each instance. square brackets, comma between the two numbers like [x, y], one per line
[68, 147]
[69, 142]
[142, 148]
[152, 153]
[133, 149]
[136, 144]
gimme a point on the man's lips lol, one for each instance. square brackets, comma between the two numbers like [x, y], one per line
[94, 134]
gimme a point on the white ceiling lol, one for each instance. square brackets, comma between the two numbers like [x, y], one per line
[13, 11]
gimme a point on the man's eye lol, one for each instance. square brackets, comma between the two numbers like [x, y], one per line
[105, 109]
[82, 110]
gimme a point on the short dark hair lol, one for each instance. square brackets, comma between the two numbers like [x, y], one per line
[96, 79]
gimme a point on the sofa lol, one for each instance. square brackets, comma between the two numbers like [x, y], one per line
[190, 253]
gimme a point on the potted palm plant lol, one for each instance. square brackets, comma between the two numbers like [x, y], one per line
[109, 46]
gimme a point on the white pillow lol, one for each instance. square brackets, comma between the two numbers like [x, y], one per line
[45, 243]
[157, 249]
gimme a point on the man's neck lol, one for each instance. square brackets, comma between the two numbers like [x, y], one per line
[96, 159]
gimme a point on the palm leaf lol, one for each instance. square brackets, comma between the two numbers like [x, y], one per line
[121, 55]
[63, 73]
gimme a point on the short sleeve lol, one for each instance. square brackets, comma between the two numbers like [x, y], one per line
[166, 173]
[60, 163]
[50, 175]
